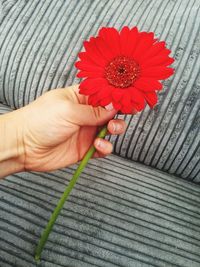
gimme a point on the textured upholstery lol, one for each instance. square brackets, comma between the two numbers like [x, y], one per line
[121, 212]
[39, 44]
[4, 109]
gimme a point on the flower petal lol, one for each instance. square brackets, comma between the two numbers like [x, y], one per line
[104, 50]
[132, 41]
[90, 74]
[124, 37]
[160, 60]
[90, 86]
[153, 50]
[104, 92]
[93, 100]
[117, 106]
[147, 84]
[145, 41]
[111, 39]
[88, 67]
[127, 109]
[151, 98]
[89, 59]
[157, 72]
[126, 98]
[117, 94]
[93, 53]
[105, 101]
[127, 105]
[137, 98]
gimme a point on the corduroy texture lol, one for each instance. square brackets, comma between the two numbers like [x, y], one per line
[39, 44]
[4, 109]
[120, 213]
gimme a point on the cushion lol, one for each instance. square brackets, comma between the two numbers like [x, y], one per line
[120, 213]
[40, 41]
[4, 109]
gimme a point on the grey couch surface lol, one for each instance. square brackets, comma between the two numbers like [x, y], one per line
[121, 213]
[139, 207]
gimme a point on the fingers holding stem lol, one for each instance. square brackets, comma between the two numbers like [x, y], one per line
[104, 147]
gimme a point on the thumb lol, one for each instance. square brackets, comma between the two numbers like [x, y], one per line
[88, 115]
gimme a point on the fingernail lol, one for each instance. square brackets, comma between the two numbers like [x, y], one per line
[100, 143]
[117, 127]
[109, 107]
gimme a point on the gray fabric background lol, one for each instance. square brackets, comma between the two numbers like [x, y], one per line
[39, 43]
[121, 212]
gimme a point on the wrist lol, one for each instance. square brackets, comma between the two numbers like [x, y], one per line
[11, 144]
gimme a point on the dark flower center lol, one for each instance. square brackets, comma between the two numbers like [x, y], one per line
[122, 71]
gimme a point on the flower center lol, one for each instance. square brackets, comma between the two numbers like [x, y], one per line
[122, 71]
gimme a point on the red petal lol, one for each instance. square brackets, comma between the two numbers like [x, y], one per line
[137, 98]
[104, 92]
[124, 36]
[127, 109]
[132, 41]
[93, 53]
[157, 61]
[111, 39]
[88, 67]
[162, 53]
[159, 73]
[90, 74]
[138, 106]
[145, 41]
[151, 98]
[153, 50]
[90, 86]
[126, 99]
[117, 94]
[105, 101]
[93, 100]
[104, 50]
[147, 84]
[127, 105]
[116, 105]
[86, 58]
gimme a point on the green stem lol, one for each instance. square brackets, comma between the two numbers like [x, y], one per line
[65, 195]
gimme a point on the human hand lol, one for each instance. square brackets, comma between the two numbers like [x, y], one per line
[58, 128]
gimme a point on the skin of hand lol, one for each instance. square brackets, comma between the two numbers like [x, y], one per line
[54, 131]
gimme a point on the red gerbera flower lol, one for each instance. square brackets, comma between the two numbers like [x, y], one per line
[123, 68]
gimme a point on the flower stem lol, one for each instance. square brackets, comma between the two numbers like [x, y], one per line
[64, 196]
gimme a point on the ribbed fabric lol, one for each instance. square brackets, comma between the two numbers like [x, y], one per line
[120, 213]
[39, 43]
[4, 109]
